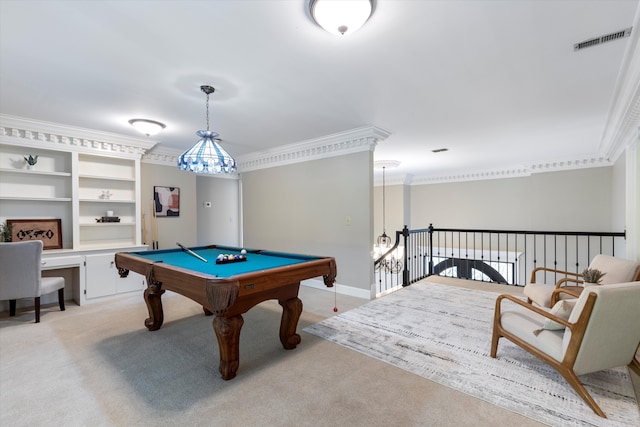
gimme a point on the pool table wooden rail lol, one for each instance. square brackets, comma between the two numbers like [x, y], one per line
[229, 297]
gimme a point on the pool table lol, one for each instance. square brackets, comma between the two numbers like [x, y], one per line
[227, 290]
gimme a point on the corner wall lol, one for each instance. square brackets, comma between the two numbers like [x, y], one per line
[220, 223]
[170, 229]
[319, 207]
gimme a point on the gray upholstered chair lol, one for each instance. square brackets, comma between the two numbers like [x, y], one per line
[618, 270]
[20, 275]
[600, 332]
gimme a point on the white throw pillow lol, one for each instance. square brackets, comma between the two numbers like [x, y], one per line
[561, 309]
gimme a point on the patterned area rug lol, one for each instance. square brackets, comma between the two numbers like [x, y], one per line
[443, 333]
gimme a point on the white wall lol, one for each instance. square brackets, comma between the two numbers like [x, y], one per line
[320, 207]
[397, 208]
[576, 200]
[220, 223]
[170, 229]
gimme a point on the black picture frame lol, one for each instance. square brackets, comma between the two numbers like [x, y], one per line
[166, 201]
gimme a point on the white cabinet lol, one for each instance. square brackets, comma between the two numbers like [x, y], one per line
[103, 279]
[80, 175]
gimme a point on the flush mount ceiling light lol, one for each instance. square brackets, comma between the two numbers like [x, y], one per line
[147, 127]
[207, 156]
[341, 17]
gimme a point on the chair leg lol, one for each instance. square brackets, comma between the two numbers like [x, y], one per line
[61, 298]
[12, 307]
[635, 366]
[494, 342]
[574, 382]
[37, 304]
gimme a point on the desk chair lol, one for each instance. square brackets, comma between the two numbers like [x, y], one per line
[20, 275]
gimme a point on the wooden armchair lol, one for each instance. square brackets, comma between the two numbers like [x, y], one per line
[618, 270]
[601, 332]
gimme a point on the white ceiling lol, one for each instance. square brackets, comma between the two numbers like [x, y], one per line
[495, 82]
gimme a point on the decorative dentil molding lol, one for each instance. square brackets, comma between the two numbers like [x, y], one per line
[514, 172]
[46, 135]
[338, 144]
[160, 155]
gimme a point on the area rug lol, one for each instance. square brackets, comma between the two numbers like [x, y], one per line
[443, 333]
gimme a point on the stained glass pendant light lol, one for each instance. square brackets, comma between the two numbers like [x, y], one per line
[207, 156]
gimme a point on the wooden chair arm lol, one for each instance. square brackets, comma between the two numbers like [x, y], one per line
[551, 270]
[555, 296]
[529, 307]
[562, 281]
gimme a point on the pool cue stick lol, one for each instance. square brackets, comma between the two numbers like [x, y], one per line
[144, 228]
[155, 216]
[153, 226]
[190, 252]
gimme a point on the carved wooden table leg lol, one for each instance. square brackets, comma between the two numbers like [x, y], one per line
[154, 304]
[153, 298]
[291, 310]
[227, 331]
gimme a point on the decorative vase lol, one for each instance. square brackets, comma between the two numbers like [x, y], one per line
[587, 284]
[29, 167]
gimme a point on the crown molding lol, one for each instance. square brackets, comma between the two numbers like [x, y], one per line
[160, 155]
[622, 124]
[513, 172]
[337, 144]
[47, 135]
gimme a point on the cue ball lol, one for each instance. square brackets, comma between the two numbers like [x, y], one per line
[243, 252]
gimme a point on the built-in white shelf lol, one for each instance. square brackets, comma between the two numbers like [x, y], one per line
[106, 201]
[108, 224]
[36, 199]
[35, 172]
[106, 178]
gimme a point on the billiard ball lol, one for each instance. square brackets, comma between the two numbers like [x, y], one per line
[243, 252]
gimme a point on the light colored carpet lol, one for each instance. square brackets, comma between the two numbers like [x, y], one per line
[97, 365]
[443, 333]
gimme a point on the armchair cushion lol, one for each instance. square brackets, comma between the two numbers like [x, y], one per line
[561, 309]
[540, 293]
[618, 270]
[522, 322]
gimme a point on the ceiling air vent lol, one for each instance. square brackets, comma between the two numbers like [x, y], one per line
[602, 39]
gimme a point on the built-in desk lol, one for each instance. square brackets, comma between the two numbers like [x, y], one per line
[90, 276]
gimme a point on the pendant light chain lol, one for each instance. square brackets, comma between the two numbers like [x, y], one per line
[207, 111]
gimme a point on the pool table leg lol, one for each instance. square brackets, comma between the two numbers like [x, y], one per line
[153, 298]
[227, 331]
[291, 310]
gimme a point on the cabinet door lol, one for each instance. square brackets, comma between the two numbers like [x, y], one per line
[101, 275]
[133, 282]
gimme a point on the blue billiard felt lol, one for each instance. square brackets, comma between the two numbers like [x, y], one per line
[263, 260]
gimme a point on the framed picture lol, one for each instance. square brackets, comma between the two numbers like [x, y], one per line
[47, 230]
[166, 201]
